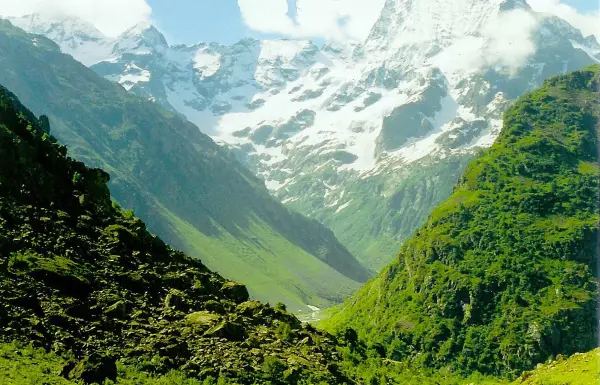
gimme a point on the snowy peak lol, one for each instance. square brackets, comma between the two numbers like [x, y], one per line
[142, 38]
[428, 26]
[60, 27]
[147, 32]
[282, 61]
[89, 45]
[508, 5]
[432, 19]
[592, 42]
[268, 63]
[74, 36]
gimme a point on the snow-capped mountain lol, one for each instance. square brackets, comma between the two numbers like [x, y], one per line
[365, 137]
[74, 36]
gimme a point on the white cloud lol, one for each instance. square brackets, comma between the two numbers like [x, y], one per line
[328, 19]
[505, 41]
[110, 16]
[588, 23]
[510, 39]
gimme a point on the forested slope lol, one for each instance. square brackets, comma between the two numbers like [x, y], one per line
[504, 273]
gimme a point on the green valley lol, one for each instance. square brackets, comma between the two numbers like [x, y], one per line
[190, 191]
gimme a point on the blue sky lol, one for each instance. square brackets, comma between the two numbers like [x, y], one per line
[584, 5]
[190, 21]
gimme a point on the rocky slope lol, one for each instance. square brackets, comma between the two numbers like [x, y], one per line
[190, 191]
[80, 276]
[366, 138]
[504, 273]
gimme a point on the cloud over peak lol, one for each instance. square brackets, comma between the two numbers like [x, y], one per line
[111, 17]
[587, 23]
[353, 19]
[323, 19]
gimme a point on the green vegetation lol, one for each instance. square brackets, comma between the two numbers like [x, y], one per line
[86, 281]
[503, 275]
[579, 369]
[371, 368]
[26, 365]
[189, 191]
[262, 249]
[371, 228]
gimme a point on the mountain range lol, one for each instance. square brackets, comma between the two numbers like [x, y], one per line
[503, 276]
[364, 137]
[189, 190]
[498, 282]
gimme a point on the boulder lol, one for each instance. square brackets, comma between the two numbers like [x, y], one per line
[250, 308]
[235, 291]
[94, 369]
[231, 331]
[202, 319]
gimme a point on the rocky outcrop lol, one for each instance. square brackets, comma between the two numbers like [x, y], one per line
[78, 275]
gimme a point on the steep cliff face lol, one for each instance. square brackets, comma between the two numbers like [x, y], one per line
[188, 189]
[504, 273]
[367, 137]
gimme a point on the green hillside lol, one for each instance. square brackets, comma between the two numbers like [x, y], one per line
[189, 191]
[87, 281]
[503, 275]
[579, 369]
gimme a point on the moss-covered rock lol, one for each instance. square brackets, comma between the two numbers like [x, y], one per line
[80, 276]
[94, 369]
[236, 291]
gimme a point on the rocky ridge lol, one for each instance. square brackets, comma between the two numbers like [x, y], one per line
[504, 274]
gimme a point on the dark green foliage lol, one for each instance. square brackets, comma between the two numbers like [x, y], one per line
[280, 307]
[92, 369]
[273, 368]
[82, 277]
[503, 275]
[370, 368]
